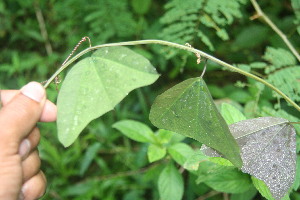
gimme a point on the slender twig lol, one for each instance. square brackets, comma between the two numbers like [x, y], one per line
[294, 122]
[181, 170]
[179, 46]
[41, 21]
[261, 14]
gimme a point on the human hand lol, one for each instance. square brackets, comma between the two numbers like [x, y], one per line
[20, 174]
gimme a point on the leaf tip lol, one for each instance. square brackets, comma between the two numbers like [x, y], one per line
[66, 142]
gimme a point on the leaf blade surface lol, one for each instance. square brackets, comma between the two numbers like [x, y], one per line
[96, 84]
[170, 183]
[188, 109]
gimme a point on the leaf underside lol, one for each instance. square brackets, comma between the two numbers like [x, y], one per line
[268, 150]
[188, 109]
[96, 84]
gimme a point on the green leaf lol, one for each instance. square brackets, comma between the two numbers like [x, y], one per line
[178, 138]
[180, 152]
[297, 142]
[80, 188]
[193, 162]
[266, 111]
[264, 190]
[231, 114]
[240, 96]
[259, 34]
[96, 85]
[156, 152]
[181, 20]
[222, 178]
[248, 195]
[164, 136]
[141, 7]
[279, 58]
[258, 65]
[216, 91]
[168, 137]
[296, 8]
[297, 178]
[88, 157]
[170, 184]
[220, 161]
[188, 109]
[287, 80]
[135, 130]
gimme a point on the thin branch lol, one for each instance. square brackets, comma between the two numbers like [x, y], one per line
[294, 122]
[261, 14]
[181, 170]
[41, 21]
[179, 46]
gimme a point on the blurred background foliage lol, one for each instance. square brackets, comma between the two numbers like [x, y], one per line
[36, 36]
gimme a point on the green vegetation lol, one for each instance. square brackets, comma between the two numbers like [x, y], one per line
[122, 155]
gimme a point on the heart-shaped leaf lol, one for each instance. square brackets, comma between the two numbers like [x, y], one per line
[96, 84]
[268, 149]
[188, 109]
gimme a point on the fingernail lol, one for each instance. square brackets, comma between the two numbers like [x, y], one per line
[24, 148]
[34, 91]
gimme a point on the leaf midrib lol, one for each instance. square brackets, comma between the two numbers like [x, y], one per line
[254, 131]
[184, 91]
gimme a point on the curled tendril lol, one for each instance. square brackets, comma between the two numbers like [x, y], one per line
[57, 79]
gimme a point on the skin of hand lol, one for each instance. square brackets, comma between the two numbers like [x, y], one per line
[20, 174]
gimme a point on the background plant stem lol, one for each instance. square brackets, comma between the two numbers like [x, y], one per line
[179, 46]
[261, 14]
[42, 25]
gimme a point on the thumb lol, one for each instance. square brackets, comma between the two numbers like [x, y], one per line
[21, 114]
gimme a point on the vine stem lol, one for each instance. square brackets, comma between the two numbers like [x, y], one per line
[294, 122]
[179, 46]
[261, 14]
